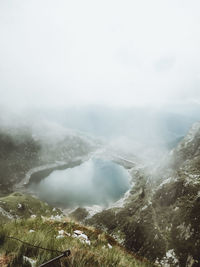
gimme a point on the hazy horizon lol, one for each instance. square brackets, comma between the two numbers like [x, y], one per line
[71, 54]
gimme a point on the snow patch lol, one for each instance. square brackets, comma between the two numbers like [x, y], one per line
[109, 246]
[31, 261]
[19, 206]
[6, 214]
[82, 237]
[144, 208]
[61, 232]
[169, 260]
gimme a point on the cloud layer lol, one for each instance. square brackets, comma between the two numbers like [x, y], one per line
[126, 53]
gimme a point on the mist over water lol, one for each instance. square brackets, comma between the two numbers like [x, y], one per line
[95, 182]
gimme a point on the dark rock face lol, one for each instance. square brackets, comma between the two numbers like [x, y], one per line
[79, 214]
[16, 157]
[164, 224]
[168, 194]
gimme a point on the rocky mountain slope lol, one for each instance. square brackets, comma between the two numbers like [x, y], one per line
[161, 218]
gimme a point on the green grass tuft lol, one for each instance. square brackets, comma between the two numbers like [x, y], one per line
[96, 254]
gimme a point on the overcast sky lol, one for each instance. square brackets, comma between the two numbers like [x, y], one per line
[123, 53]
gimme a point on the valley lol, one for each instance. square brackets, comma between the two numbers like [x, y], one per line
[153, 213]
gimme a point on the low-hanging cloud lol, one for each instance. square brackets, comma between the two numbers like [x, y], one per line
[87, 66]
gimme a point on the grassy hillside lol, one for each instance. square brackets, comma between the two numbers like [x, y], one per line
[35, 222]
[101, 250]
[18, 205]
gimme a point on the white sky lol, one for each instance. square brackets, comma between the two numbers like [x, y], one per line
[112, 52]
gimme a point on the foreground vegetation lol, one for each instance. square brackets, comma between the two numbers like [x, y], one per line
[102, 250]
[18, 205]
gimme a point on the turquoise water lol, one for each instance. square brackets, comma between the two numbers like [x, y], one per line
[95, 182]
